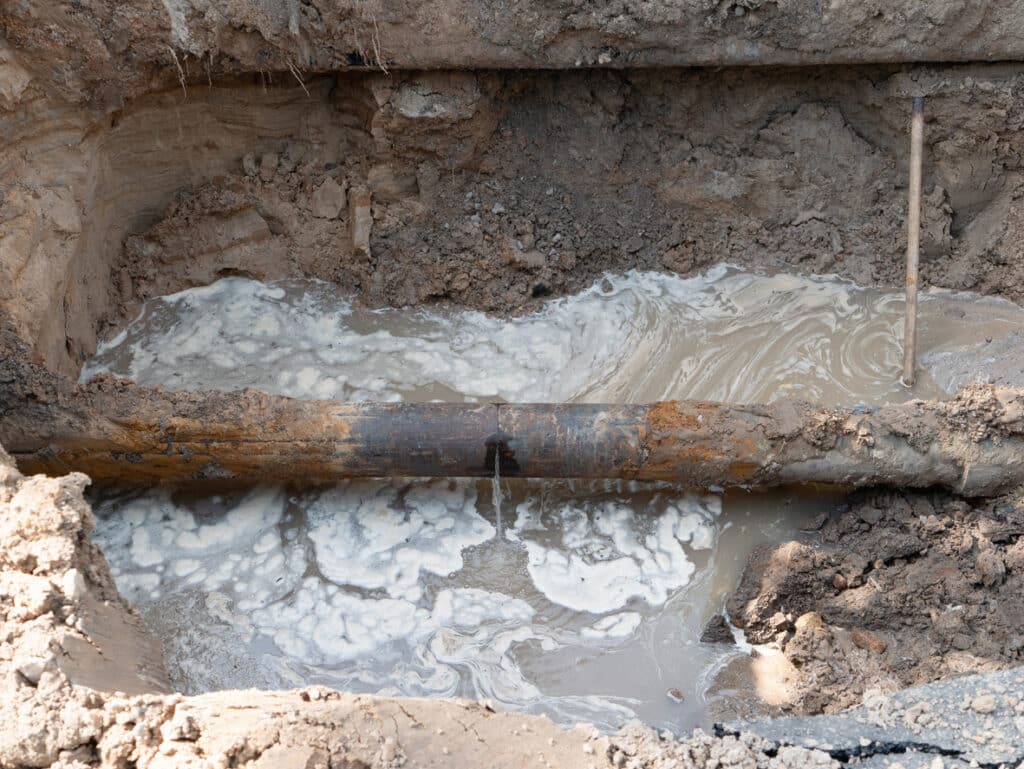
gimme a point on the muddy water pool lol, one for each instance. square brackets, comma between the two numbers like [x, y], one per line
[583, 600]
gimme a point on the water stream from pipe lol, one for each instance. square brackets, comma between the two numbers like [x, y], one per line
[583, 600]
[496, 494]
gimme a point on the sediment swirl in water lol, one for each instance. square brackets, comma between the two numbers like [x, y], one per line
[590, 604]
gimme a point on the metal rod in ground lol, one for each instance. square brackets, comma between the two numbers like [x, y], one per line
[913, 240]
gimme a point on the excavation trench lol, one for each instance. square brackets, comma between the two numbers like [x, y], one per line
[532, 594]
[252, 310]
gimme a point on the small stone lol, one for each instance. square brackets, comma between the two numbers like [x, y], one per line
[31, 668]
[328, 200]
[989, 569]
[249, 165]
[675, 695]
[717, 630]
[962, 641]
[73, 585]
[867, 640]
[634, 244]
[869, 514]
[839, 582]
[181, 728]
[983, 704]
[268, 166]
[529, 259]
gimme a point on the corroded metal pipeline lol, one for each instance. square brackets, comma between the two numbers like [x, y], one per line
[116, 430]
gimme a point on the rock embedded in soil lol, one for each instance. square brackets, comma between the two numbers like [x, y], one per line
[717, 630]
[328, 200]
[983, 704]
[865, 639]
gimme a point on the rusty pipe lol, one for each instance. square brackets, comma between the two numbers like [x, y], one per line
[120, 431]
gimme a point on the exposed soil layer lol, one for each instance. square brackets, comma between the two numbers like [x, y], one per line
[96, 49]
[901, 589]
[493, 190]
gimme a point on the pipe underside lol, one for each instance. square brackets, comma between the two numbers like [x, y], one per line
[143, 435]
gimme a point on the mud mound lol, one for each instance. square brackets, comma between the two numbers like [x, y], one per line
[901, 589]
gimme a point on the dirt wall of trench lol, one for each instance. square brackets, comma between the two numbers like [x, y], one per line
[494, 189]
[99, 49]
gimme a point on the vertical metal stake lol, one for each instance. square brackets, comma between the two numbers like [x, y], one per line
[913, 240]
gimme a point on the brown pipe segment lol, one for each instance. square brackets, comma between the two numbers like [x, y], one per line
[112, 429]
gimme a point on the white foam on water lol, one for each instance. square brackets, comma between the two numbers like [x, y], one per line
[620, 625]
[725, 335]
[598, 557]
[156, 546]
[360, 541]
[587, 605]
[348, 586]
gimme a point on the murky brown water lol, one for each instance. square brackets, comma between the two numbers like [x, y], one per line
[585, 600]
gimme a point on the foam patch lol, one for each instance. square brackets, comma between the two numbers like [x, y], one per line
[599, 557]
[725, 335]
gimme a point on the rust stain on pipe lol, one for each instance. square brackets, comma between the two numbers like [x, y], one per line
[115, 430]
